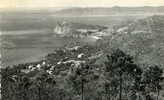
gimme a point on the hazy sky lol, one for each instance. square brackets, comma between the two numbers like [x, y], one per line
[74, 3]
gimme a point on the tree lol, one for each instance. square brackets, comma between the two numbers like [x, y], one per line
[77, 78]
[152, 77]
[42, 81]
[120, 66]
[7, 84]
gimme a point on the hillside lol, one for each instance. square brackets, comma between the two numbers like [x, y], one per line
[143, 39]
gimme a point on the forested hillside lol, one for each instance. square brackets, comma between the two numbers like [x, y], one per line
[72, 74]
[144, 39]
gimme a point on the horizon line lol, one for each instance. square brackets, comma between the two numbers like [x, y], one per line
[67, 7]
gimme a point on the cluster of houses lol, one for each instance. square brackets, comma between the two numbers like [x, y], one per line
[71, 64]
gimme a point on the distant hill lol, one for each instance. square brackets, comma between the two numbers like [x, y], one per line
[110, 11]
[78, 11]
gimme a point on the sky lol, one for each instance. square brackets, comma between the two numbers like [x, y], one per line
[11, 4]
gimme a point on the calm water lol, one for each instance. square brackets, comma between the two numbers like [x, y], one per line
[28, 51]
[23, 55]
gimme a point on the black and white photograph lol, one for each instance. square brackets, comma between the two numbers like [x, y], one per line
[82, 49]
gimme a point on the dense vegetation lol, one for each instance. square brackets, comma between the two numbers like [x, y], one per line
[74, 74]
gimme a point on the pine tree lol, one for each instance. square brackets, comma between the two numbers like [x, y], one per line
[119, 67]
[152, 77]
